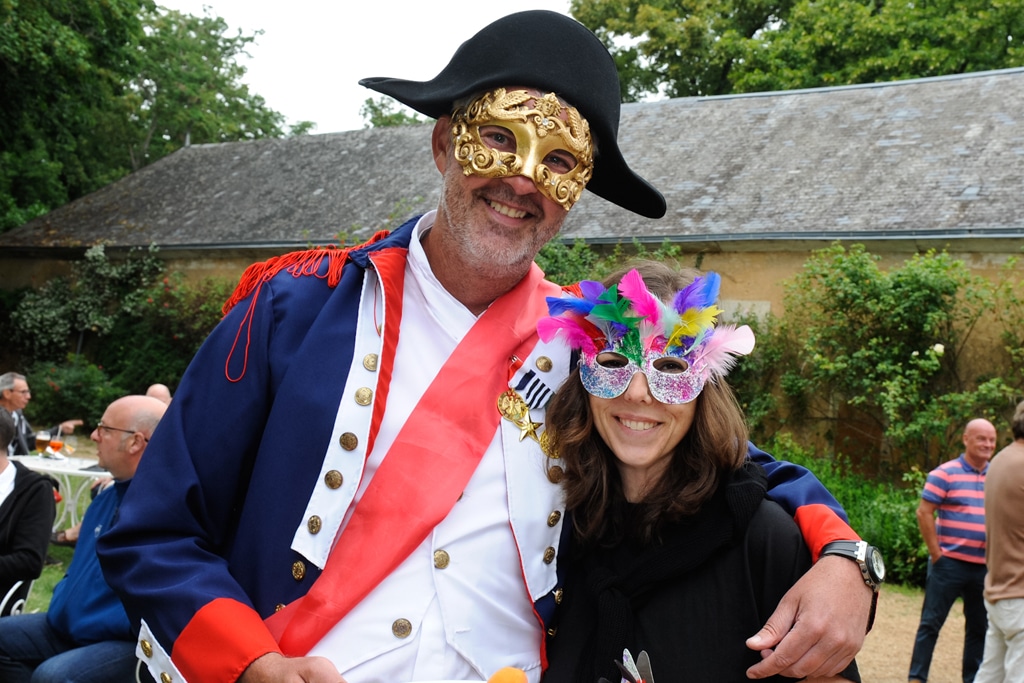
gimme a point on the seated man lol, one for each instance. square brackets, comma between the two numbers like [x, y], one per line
[26, 517]
[14, 396]
[86, 637]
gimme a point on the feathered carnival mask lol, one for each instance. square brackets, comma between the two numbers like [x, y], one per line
[626, 329]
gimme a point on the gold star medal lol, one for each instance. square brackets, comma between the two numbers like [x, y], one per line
[514, 409]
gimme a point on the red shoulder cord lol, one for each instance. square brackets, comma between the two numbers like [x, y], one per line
[299, 264]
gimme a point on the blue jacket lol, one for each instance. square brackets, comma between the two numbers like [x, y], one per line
[84, 608]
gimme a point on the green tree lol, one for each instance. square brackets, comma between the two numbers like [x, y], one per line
[93, 89]
[678, 48]
[188, 88]
[63, 70]
[382, 112]
[841, 42]
[716, 47]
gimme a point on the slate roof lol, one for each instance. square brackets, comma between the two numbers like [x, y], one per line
[928, 158]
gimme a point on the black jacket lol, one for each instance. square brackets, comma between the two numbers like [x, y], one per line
[690, 601]
[26, 522]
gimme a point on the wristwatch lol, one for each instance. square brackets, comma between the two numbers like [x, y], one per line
[872, 567]
[867, 557]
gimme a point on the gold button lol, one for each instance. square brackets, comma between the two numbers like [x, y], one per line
[278, 607]
[364, 396]
[165, 677]
[370, 362]
[558, 596]
[315, 524]
[298, 570]
[554, 517]
[401, 628]
[549, 555]
[333, 479]
[555, 474]
[349, 441]
[544, 364]
[441, 559]
[552, 632]
[147, 647]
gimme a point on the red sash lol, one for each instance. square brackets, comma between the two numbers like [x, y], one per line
[442, 443]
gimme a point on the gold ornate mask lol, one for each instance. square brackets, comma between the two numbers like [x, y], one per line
[541, 135]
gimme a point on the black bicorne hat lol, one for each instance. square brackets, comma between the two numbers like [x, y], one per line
[551, 52]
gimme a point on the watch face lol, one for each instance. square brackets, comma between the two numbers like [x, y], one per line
[875, 565]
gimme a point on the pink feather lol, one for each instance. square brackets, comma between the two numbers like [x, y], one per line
[721, 350]
[572, 332]
[645, 305]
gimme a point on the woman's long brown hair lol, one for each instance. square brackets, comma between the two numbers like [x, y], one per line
[715, 445]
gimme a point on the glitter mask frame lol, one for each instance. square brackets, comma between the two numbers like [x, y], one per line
[672, 388]
[537, 130]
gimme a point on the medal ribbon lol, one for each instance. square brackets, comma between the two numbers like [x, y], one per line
[425, 470]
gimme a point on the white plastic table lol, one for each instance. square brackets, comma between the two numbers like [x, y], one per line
[75, 476]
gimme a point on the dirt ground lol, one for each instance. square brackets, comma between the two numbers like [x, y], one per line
[885, 657]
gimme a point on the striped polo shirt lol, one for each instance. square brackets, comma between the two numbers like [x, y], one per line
[959, 491]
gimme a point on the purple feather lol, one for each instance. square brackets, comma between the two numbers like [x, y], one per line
[591, 290]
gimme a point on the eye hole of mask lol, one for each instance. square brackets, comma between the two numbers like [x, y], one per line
[612, 360]
[670, 365]
[669, 378]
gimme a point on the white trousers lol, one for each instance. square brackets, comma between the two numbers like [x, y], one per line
[1004, 643]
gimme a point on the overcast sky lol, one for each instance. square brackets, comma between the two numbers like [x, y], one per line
[312, 53]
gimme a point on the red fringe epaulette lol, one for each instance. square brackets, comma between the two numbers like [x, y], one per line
[573, 289]
[298, 263]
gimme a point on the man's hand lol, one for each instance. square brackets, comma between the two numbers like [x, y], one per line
[819, 624]
[274, 667]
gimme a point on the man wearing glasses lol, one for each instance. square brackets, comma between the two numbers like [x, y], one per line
[14, 396]
[86, 637]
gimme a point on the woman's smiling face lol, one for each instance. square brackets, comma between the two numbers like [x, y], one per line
[642, 432]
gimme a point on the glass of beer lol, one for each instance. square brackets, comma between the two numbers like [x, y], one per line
[42, 441]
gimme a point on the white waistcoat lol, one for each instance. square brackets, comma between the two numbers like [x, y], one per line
[461, 605]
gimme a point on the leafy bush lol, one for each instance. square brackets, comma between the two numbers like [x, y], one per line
[155, 339]
[755, 378]
[879, 511]
[74, 389]
[68, 312]
[126, 316]
[566, 265]
[891, 347]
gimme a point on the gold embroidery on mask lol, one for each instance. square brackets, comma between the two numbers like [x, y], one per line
[539, 130]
